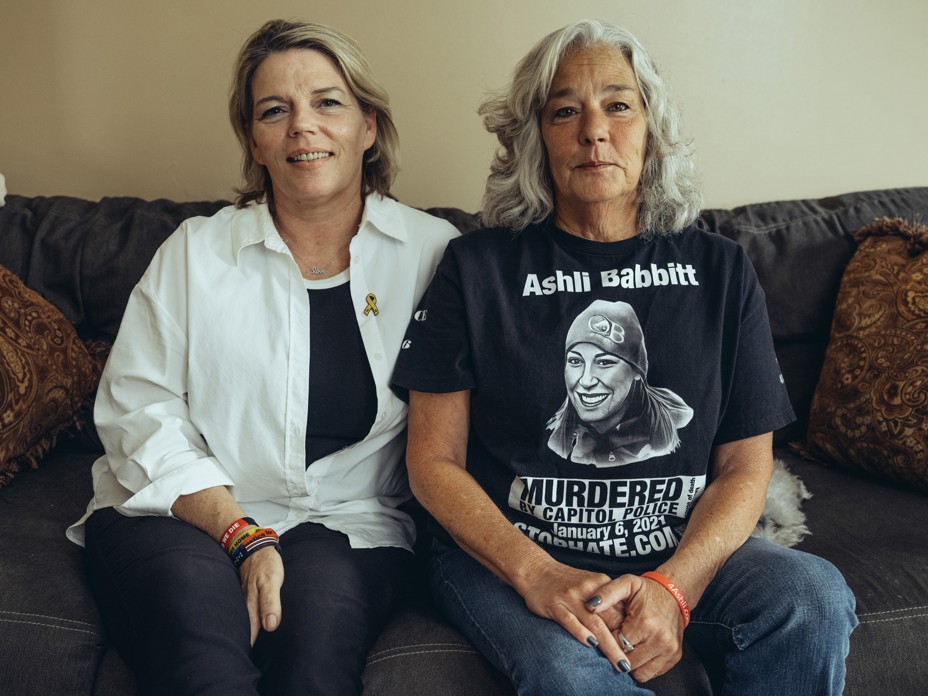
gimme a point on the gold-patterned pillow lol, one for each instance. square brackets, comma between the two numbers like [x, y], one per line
[45, 373]
[870, 408]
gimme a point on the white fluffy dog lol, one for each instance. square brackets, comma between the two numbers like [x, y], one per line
[783, 522]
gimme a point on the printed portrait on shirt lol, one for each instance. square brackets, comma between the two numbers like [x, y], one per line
[611, 415]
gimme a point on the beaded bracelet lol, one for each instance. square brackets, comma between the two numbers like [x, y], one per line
[673, 590]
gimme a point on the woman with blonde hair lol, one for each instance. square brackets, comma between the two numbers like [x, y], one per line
[244, 536]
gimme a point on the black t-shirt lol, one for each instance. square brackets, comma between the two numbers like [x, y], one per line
[602, 375]
[342, 395]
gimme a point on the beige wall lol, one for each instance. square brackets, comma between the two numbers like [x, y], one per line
[784, 98]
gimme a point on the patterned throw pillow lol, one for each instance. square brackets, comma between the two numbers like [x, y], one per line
[45, 373]
[870, 409]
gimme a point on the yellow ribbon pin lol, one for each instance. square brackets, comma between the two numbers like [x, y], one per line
[371, 305]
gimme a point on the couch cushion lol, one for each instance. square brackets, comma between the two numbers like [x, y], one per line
[48, 619]
[86, 256]
[45, 373]
[871, 405]
[418, 654]
[874, 532]
[799, 249]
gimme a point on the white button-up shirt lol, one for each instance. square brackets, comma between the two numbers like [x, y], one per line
[208, 380]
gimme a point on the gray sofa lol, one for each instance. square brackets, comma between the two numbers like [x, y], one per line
[84, 257]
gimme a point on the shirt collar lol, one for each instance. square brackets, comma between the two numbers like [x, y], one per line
[382, 214]
[254, 224]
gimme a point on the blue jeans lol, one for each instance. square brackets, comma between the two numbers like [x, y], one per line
[773, 621]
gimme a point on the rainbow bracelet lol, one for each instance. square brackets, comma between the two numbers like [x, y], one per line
[256, 538]
[233, 528]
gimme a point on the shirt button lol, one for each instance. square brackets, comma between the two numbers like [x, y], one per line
[378, 356]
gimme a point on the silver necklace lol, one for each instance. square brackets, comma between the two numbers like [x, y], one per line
[313, 269]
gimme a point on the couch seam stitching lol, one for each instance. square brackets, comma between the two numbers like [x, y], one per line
[44, 616]
[895, 618]
[894, 611]
[420, 652]
[45, 625]
[422, 645]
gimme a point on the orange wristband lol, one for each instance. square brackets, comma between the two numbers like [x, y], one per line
[673, 590]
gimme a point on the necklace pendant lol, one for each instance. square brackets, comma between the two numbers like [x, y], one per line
[315, 270]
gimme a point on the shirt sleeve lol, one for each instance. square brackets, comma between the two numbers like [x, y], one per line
[152, 447]
[757, 400]
[436, 353]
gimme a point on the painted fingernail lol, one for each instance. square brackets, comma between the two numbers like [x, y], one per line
[592, 641]
[624, 666]
[594, 601]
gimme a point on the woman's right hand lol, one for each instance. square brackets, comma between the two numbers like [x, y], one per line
[262, 575]
[560, 592]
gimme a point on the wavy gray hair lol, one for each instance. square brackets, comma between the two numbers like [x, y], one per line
[380, 160]
[519, 190]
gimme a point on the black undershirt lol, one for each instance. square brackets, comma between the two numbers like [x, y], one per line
[342, 395]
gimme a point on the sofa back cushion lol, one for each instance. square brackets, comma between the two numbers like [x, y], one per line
[800, 249]
[84, 256]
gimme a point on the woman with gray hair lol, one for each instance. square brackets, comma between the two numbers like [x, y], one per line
[244, 536]
[576, 550]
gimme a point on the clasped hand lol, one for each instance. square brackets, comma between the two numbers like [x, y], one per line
[642, 610]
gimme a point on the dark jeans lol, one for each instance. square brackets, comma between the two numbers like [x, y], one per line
[171, 600]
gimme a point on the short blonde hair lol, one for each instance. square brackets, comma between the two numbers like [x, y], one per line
[519, 190]
[381, 159]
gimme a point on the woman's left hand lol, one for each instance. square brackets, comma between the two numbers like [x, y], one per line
[652, 623]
